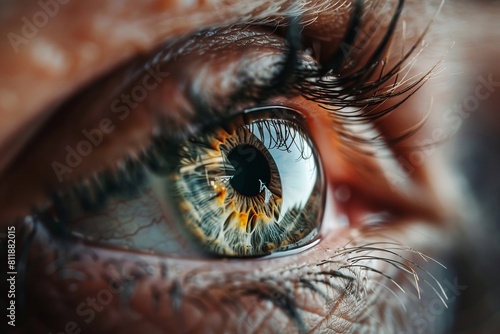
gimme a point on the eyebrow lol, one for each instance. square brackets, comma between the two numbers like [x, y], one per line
[59, 57]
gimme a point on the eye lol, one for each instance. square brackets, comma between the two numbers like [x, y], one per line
[252, 187]
[248, 187]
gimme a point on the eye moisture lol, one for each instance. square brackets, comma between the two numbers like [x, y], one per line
[251, 187]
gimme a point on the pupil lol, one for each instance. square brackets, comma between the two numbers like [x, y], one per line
[250, 166]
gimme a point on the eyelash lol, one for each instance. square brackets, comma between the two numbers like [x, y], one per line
[335, 87]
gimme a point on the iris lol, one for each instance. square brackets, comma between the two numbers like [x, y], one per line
[252, 187]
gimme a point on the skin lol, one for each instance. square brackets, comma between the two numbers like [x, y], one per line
[134, 291]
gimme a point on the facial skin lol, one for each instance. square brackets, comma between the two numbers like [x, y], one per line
[388, 276]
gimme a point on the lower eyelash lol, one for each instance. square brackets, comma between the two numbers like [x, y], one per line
[348, 273]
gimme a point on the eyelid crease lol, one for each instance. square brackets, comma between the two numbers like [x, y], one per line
[34, 90]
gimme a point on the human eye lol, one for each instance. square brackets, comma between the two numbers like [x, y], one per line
[251, 186]
[247, 178]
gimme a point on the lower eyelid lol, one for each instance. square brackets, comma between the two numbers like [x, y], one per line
[81, 269]
[165, 290]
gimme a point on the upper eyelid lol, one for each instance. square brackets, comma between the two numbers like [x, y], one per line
[29, 98]
[23, 127]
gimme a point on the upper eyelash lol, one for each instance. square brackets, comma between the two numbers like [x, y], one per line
[334, 86]
[284, 138]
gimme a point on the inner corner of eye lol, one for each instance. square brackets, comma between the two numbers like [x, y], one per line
[248, 187]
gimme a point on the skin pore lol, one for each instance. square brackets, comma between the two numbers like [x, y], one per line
[383, 271]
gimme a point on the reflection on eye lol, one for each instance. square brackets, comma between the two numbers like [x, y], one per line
[249, 187]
